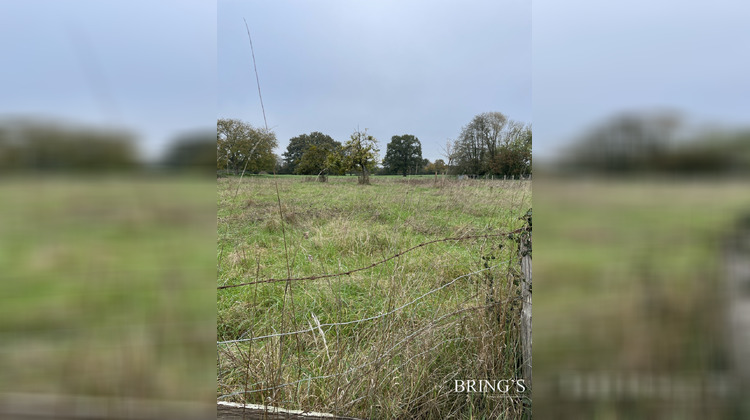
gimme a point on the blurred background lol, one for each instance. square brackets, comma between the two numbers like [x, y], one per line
[107, 209]
[642, 162]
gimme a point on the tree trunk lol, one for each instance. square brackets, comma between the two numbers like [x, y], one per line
[365, 180]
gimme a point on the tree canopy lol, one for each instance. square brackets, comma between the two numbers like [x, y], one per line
[403, 155]
[360, 154]
[318, 160]
[493, 144]
[241, 147]
[636, 143]
[438, 166]
[42, 145]
[300, 145]
[191, 151]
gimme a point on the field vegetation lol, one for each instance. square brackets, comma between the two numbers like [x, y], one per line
[631, 286]
[104, 286]
[404, 329]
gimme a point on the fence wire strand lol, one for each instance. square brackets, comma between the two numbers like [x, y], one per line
[434, 325]
[375, 264]
[376, 360]
[357, 321]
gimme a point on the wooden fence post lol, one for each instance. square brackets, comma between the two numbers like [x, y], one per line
[524, 252]
[737, 289]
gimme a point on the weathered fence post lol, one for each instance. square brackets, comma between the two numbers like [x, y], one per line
[737, 268]
[524, 252]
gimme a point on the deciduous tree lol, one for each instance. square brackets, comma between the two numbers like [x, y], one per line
[493, 144]
[299, 145]
[360, 154]
[403, 154]
[477, 145]
[437, 167]
[319, 160]
[192, 151]
[241, 147]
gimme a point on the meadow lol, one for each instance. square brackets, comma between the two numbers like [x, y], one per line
[104, 281]
[384, 342]
[630, 286]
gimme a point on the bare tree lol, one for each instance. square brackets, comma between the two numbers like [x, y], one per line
[448, 152]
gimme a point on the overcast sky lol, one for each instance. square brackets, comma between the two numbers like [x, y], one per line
[594, 59]
[149, 66]
[395, 67]
[420, 67]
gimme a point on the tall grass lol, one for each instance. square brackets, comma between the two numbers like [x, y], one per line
[104, 286]
[631, 285]
[399, 365]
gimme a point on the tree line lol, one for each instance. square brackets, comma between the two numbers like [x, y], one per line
[491, 144]
[50, 146]
[656, 143]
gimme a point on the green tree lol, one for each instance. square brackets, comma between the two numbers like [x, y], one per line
[241, 147]
[440, 166]
[403, 154]
[360, 154]
[477, 145]
[514, 153]
[336, 162]
[192, 151]
[299, 145]
[319, 160]
[624, 143]
[437, 167]
[315, 159]
[492, 144]
[46, 145]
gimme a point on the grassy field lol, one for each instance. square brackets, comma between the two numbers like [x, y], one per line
[104, 284]
[426, 319]
[629, 284]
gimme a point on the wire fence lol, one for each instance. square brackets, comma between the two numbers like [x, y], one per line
[375, 361]
[377, 263]
[357, 321]
[370, 363]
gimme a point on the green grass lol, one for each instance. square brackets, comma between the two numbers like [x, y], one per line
[312, 228]
[629, 280]
[104, 284]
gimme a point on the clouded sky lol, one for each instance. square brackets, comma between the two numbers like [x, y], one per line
[395, 67]
[420, 67]
[595, 59]
[149, 66]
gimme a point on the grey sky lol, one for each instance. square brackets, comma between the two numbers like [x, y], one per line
[595, 59]
[149, 66]
[395, 67]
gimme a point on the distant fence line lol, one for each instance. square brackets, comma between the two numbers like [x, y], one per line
[526, 177]
[221, 173]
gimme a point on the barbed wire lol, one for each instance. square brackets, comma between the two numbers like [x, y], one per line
[357, 321]
[375, 264]
[380, 356]
[376, 360]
